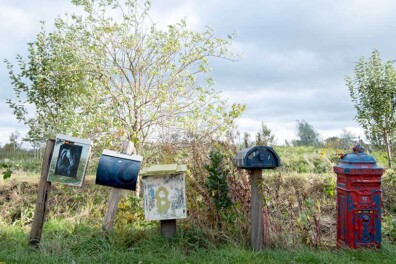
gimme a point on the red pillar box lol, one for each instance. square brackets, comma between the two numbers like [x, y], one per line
[358, 200]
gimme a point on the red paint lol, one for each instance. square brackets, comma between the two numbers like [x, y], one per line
[358, 201]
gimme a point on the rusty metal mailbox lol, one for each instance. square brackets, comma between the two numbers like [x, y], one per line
[358, 200]
[258, 157]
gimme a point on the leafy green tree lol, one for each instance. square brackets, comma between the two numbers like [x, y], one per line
[333, 142]
[55, 81]
[14, 143]
[246, 140]
[265, 137]
[307, 135]
[345, 141]
[113, 73]
[348, 139]
[373, 92]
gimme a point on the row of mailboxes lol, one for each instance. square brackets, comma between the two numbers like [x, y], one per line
[161, 182]
[358, 184]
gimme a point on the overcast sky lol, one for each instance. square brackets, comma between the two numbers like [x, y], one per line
[296, 54]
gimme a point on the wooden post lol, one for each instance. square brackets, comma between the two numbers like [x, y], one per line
[42, 197]
[168, 228]
[127, 148]
[256, 219]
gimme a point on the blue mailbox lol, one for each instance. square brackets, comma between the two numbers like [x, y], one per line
[258, 157]
[118, 170]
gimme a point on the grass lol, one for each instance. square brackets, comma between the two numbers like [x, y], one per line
[73, 234]
[67, 243]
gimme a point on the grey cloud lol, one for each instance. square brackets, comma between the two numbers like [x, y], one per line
[295, 53]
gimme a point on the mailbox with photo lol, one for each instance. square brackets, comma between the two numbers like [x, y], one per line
[118, 170]
[258, 157]
[69, 160]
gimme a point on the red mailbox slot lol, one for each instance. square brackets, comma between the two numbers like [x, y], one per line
[358, 200]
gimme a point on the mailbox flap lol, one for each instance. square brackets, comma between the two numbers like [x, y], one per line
[263, 156]
[164, 169]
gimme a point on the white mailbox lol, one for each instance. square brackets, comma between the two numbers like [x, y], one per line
[164, 192]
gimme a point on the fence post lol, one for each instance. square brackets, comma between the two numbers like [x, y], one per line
[115, 195]
[42, 197]
[256, 224]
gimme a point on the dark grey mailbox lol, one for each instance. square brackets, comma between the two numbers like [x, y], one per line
[258, 157]
[255, 159]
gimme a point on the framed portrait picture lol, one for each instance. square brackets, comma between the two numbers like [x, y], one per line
[118, 170]
[69, 160]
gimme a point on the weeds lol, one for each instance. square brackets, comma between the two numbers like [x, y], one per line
[298, 212]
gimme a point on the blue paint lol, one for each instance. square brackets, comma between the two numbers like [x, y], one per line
[377, 200]
[117, 172]
[342, 215]
[378, 231]
[151, 193]
[351, 205]
[367, 232]
[377, 220]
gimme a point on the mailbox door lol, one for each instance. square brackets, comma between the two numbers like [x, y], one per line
[364, 227]
[164, 197]
[261, 158]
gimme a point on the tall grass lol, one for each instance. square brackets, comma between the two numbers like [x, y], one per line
[81, 243]
[299, 211]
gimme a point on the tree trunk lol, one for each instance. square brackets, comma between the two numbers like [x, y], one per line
[388, 149]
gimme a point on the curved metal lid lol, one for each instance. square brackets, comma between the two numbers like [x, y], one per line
[358, 156]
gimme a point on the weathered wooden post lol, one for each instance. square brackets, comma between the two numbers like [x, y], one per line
[255, 159]
[256, 204]
[119, 171]
[165, 195]
[42, 197]
[115, 195]
[65, 161]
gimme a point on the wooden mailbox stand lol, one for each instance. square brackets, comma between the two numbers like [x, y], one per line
[49, 174]
[256, 203]
[44, 189]
[167, 182]
[168, 228]
[115, 195]
[254, 160]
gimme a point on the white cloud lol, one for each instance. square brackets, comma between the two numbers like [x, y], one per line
[296, 53]
[175, 12]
